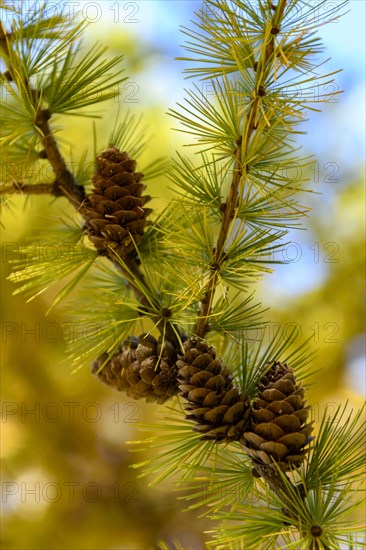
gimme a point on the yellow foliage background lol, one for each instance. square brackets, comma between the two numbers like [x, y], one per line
[66, 476]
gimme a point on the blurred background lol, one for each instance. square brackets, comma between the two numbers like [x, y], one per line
[66, 476]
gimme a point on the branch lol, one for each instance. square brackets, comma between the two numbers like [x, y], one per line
[171, 331]
[65, 182]
[219, 254]
[278, 485]
[65, 185]
[29, 189]
[272, 478]
[231, 205]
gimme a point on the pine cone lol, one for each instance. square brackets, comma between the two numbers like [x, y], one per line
[218, 408]
[114, 211]
[142, 368]
[279, 430]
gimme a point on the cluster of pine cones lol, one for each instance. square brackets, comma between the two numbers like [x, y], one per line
[272, 428]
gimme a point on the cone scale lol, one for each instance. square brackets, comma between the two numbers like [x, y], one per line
[143, 368]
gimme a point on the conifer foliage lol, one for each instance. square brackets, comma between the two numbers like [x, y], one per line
[237, 406]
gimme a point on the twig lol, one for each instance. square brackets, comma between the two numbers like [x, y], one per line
[29, 189]
[272, 478]
[67, 185]
[165, 327]
[231, 205]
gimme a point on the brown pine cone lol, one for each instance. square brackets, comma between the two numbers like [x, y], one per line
[219, 410]
[279, 431]
[114, 210]
[143, 368]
